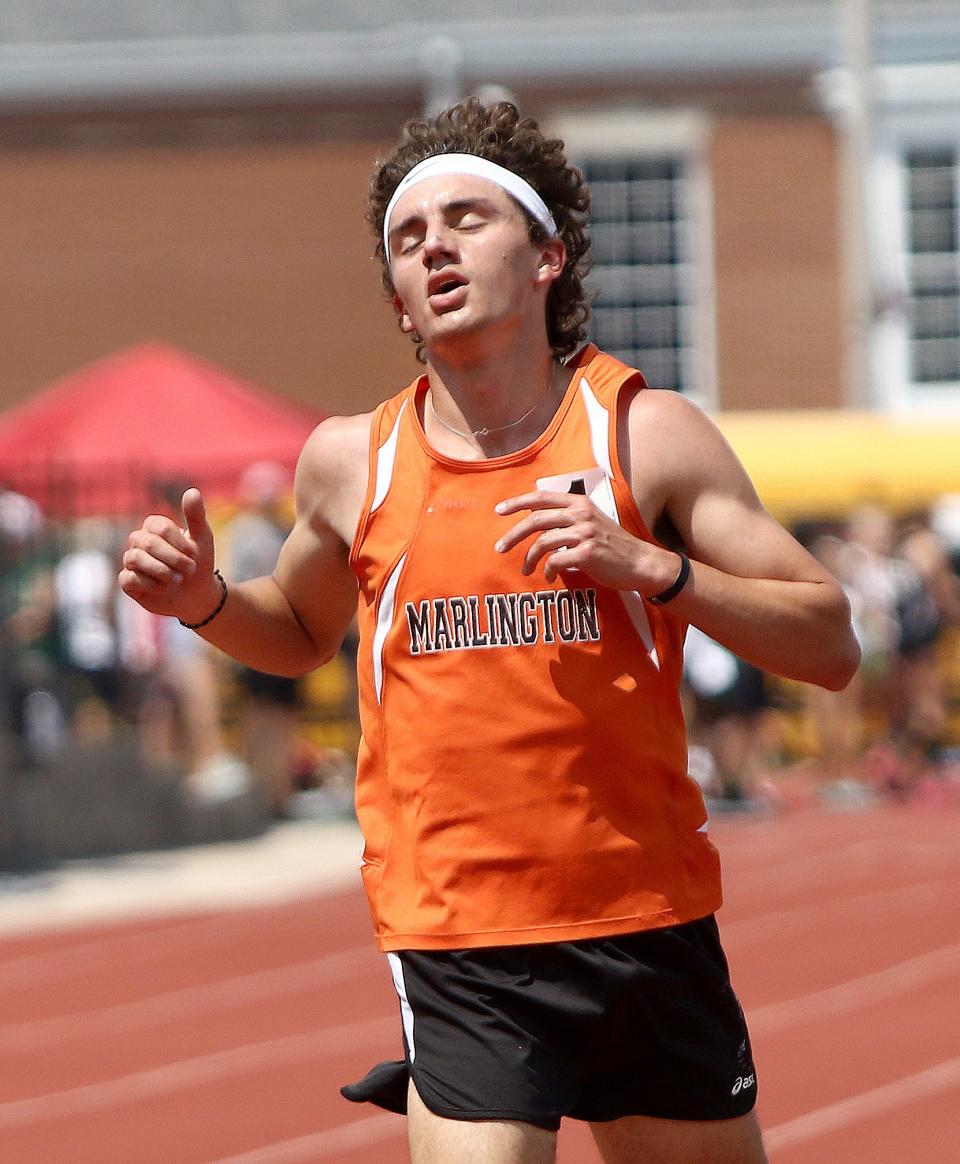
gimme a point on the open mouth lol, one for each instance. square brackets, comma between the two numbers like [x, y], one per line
[443, 284]
[447, 292]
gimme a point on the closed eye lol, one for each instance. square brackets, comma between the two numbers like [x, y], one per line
[408, 242]
[470, 221]
[463, 215]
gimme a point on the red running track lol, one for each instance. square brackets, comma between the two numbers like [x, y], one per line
[222, 1038]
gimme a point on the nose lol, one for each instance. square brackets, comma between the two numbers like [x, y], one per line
[439, 245]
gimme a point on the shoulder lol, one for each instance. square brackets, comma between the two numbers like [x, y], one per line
[338, 441]
[686, 436]
[668, 411]
[687, 441]
[336, 448]
[678, 458]
[331, 476]
[335, 429]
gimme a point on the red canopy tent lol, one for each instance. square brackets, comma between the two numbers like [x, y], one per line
[110, 438]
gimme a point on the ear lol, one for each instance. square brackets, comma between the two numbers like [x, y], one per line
[551, 261]
[406, 324]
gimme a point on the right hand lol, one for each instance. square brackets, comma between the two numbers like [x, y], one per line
[168, 568]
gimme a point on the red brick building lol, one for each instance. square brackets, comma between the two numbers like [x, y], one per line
[196, 175]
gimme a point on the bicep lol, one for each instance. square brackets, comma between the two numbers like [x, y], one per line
[709, 499]
[732, 531]
[314, 575]
[314, 571]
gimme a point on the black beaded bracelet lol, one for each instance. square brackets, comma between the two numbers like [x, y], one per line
[216, 611]
[677, 585]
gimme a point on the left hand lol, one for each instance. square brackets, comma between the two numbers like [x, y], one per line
[570, 532]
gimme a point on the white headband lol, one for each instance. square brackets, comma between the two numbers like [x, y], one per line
[440, 164]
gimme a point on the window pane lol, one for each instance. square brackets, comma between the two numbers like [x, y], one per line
[936, 317]
[933, 231]
[933, 264]
[640, 276]
[936, 360]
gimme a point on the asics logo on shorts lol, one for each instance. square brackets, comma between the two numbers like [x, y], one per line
[743, 1083]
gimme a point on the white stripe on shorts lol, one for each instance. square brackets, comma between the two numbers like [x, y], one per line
[406, 1011]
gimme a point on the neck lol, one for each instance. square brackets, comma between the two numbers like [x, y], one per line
[494, 407]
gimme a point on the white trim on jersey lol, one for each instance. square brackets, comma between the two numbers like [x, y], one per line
[598, 418]
[386, 456]
[385, 611]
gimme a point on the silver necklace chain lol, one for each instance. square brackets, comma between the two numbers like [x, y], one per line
[483, 432]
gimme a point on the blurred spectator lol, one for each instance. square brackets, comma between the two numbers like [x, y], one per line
[901, 593]
[838, 718]
[325, 779]
[81, 664]
[30, 661]
[945, 523]
[868, 572]
[928, 603]
[84, 583]
[730, 753]
[927, 544]
[270, 703]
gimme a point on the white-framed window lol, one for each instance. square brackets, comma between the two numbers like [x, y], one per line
[932, 208]
[916, 245]
[651, 281]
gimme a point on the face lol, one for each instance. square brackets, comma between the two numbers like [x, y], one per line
[463, 266]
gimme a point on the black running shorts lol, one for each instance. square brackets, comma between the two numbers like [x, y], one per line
[643, 1024]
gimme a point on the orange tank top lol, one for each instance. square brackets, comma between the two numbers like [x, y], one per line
[522, 773]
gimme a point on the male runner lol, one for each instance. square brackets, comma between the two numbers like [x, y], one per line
[526, 531]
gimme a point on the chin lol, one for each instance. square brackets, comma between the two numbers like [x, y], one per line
[449, 330]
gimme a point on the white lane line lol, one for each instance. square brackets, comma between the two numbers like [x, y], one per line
[804, 863]
[877, 1102]
[95, 952]
[173, 1077]
[169, 1006]
[342, 1138]
[919, 899]
[857, 993]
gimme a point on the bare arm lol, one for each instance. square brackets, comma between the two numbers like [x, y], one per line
[752, 586]
[294, 620]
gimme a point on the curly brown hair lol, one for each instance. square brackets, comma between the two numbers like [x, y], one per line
[499, 134]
